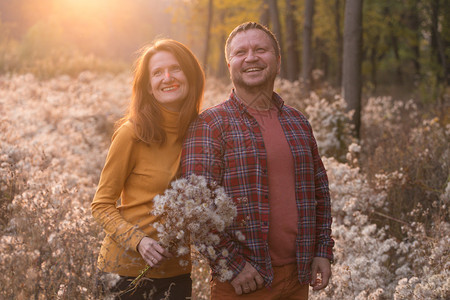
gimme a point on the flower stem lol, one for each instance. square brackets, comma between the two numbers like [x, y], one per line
[135, 282]
[143, 272]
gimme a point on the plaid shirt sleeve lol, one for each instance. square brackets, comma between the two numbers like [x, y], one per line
[324, 242]
[202, 155]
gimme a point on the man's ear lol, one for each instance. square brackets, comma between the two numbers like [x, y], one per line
[279, 65]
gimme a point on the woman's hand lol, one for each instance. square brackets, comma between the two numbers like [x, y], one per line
[152, 252]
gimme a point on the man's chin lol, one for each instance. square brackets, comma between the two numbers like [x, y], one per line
[252, 83]
[256, 84]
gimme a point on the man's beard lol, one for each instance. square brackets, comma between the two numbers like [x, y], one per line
[239, 81]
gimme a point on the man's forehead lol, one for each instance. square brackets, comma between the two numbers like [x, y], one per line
[250, 36]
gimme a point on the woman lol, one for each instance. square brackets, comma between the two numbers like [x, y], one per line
[142, 160]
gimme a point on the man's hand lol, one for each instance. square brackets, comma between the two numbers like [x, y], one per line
[152, 252]
[320, 265]
[248, 280]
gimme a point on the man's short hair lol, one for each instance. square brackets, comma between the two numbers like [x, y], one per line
[247, 26]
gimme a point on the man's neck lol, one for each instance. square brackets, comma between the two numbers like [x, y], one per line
[259, 99]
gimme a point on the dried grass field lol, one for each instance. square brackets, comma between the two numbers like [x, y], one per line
[390, 191]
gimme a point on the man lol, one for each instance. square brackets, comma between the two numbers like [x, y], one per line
[265, 156]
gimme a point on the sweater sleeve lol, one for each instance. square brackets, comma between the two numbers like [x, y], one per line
[119, 164]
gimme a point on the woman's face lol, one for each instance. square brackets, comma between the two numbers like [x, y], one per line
[168, 83]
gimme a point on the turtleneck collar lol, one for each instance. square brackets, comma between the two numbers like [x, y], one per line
[170, 119]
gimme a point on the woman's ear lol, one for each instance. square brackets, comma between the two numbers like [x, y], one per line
[149, 89]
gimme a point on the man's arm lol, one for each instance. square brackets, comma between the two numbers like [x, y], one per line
[248, 280]
[323, 255]
[202, 155]
[322, 266]
[324, 242]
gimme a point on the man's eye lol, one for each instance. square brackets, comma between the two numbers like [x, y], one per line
[260, 50]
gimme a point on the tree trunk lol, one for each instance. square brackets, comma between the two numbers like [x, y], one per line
[337, 22]
[412, 20]
[396, 49]
[307, 42]
[374, 62]
[276, 28]
[438, 49]
[291, 43]
[351, 71]
[434, 25]
[445, 25]
[208, 34]
[264, 16]
[222, 70]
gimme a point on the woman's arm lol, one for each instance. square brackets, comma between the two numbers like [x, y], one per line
[118, 166]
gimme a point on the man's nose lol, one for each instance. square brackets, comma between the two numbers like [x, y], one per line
[251, 56]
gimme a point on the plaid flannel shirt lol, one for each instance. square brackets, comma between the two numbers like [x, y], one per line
[226, 146]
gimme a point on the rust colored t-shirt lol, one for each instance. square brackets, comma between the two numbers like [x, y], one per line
[283, 209]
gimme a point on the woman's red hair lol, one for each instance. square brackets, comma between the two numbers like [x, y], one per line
[144, 112]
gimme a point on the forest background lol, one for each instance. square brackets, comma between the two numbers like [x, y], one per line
[406, 46]
[65, 79]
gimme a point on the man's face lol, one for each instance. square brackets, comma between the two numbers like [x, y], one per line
[253, 62]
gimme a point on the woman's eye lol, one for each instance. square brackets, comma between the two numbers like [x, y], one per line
[156, 73]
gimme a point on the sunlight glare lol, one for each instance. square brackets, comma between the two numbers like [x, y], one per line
[83, 6]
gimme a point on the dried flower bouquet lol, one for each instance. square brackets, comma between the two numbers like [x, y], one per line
[194, 212]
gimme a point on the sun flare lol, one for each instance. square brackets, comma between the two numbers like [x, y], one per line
[82, 6]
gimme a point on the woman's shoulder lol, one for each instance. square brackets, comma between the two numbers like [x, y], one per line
[125, 132]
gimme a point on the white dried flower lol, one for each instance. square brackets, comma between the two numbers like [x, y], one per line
[354, 148]
[183, 263]
[180, 234]
[182, 251]
[240, 236]
[193, 212]
[225, 253]
[225, 275]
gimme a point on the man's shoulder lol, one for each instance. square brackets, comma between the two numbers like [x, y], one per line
[293, 112]
[222, 110]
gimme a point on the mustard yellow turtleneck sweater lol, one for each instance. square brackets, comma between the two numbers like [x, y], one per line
[135, 172]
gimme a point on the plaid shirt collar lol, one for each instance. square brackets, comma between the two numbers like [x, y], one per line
[242, 107]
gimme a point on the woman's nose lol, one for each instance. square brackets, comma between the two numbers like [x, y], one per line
[167, 75]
